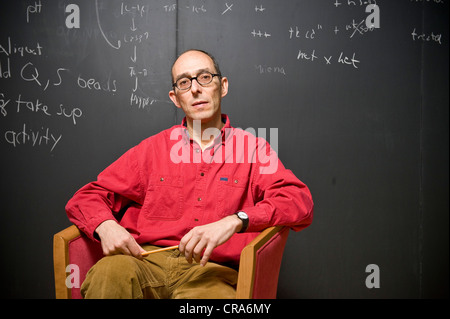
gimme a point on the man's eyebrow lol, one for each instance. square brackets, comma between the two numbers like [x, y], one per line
[188, 75]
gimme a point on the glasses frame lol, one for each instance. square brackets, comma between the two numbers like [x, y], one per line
[174, 85]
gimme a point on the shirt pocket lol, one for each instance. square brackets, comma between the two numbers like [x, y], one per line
[232, 194]
[164, 197]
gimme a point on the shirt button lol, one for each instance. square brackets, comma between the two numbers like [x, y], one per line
[199, 199]
[202, 174]
[162, 179]
[197, 150]
[236, 181]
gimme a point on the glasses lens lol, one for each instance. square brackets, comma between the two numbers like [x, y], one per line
[204, 78]
[183, 83]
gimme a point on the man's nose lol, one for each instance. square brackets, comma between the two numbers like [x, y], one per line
[195, 86]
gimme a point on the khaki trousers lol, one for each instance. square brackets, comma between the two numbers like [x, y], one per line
[161, 275]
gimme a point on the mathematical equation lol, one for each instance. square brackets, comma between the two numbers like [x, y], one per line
[133, 38]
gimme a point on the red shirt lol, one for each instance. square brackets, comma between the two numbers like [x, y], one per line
[166, 185]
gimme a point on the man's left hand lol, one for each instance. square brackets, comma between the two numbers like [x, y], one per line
[203, 239]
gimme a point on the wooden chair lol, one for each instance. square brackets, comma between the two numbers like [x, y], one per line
[258, 269]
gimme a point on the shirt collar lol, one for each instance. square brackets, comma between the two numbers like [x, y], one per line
[225, 120]
[224, 131]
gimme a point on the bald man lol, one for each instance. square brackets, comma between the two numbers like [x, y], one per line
[197, 186]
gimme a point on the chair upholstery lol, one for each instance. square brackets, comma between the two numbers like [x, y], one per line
[70, 246]
[260, 264]
[258, 269]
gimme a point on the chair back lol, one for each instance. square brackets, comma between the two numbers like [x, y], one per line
[260, 264]
[78, 250]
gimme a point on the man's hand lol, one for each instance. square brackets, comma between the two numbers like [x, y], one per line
[203, 239]
[117, 240]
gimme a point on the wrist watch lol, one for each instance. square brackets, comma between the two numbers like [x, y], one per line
[244, 217]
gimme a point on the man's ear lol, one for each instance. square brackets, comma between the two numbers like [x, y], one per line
[224, 86]
[174, 98]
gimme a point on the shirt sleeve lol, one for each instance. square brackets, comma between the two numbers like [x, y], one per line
[115, 188]
[281, 198]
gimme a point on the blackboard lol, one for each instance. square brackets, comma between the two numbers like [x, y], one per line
[361, 112]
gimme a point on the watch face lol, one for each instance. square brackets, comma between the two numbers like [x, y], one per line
[242, 215]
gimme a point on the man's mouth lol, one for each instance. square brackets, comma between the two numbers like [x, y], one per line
[199, 103]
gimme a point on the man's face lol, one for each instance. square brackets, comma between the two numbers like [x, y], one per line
[199, 102]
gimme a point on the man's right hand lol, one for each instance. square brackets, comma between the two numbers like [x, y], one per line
[117, 240]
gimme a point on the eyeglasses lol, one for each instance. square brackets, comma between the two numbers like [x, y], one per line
[203, 79]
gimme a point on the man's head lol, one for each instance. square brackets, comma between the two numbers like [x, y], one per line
[199, 101]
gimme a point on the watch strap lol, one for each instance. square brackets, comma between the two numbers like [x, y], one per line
[244, 223]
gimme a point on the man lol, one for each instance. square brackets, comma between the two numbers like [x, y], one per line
[185, 186]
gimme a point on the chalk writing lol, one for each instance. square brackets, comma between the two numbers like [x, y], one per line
[349, 61]
[358, 28]
[39, 137]
[140, 101]
[426, 37]
[353, 28]
[33, 9]
[133, 37]
[196, 9]
[270, 69]
[5, 72]
[170, 8]
[30, 73]
[37, 106]
[22, 50]
[228, 8]
[260, 8]
[3, 104]
[34, 107]
[306, 56]
[115, 46]
[93, 84]
[259, 34]
[338, 3]
[135, 72]
[138, 38]
[312, 56]
[74, 113]
[24, 59]
[136, 9]
[307, 34]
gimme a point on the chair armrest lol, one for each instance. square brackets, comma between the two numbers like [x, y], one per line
[250, 258]
[61, 259]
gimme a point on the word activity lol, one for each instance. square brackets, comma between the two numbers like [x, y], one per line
[33, 137]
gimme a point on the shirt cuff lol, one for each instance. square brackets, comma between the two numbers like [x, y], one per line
[93, 223]
[258, 219]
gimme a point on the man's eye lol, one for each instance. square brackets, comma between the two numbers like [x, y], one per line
[183, 82]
